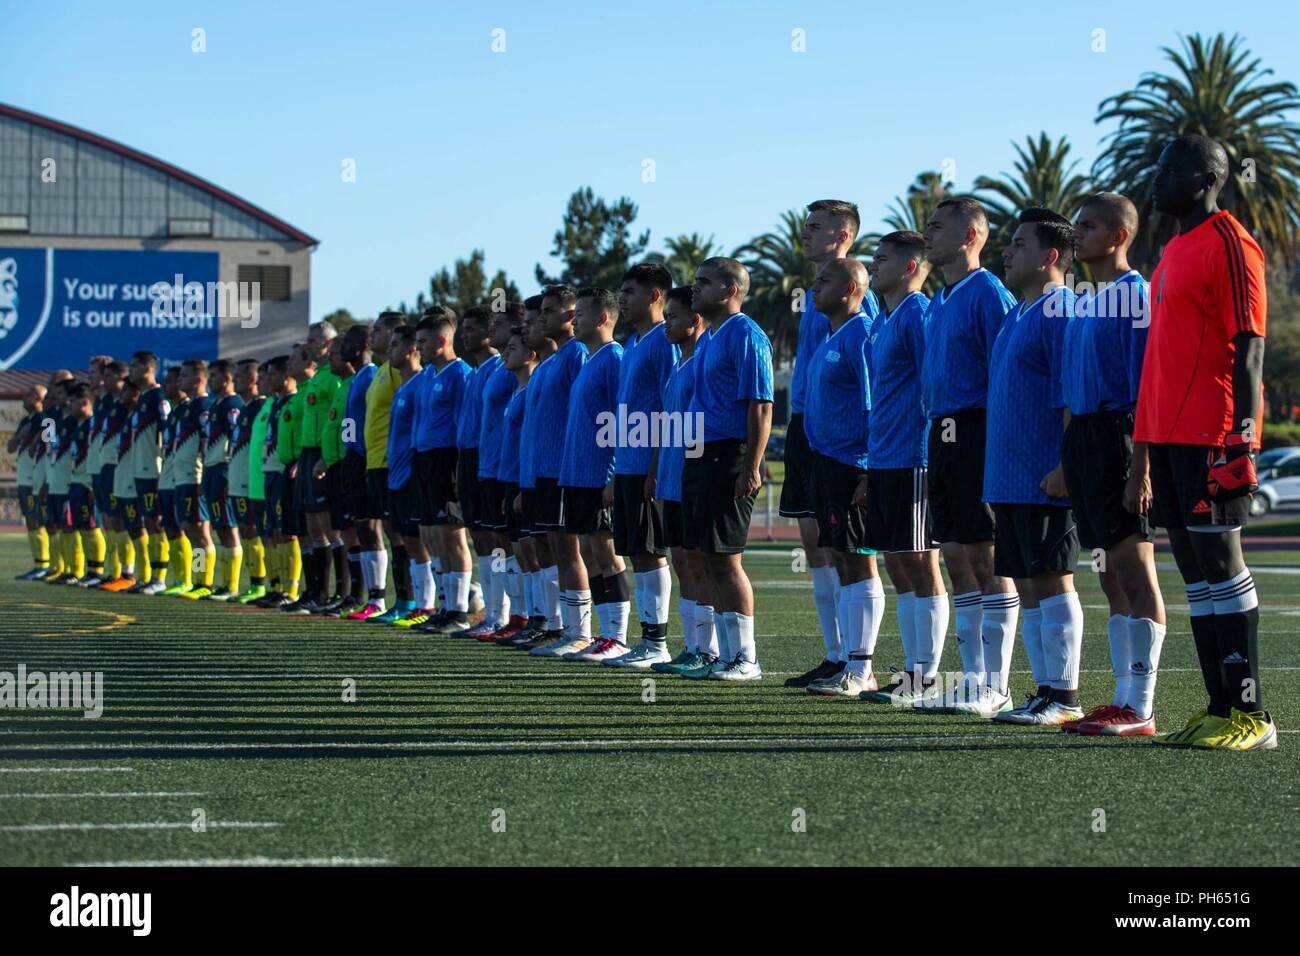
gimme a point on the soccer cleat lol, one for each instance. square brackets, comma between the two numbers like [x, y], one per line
[393, 614]
[987, 703]
[936, 699]
[826, 668]
[373, 609]
[844, 684]
[541, 639]
[221, 594]
[1021, 714]
[899, 693]
[1099, 712]
[175, 589]
[71, 581]
[484, 629]
[117, 584]
[255, 592]
[448, 624]
[195, 593]
[1242, 731]
[675, 665]
[738, 670]
[602, 649]
[1053, 713]
[551, 644]
[1201, 721]
[58, 578]
[154, 588]
[417, 615]
[707, 665]
[1119, 722]
[575, 646]
[93, 581]
[642, 657]
[342, 609]
[138, 587]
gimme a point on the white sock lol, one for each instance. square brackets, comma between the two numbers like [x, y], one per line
[532, 598]
[706, 631]
[440, 583]
[1235, 595]
[1062, 639]
[855, 629]
[742, 636]
[1146, 638]
[491, 591]
[826, 584]
[970, 615]
[638, 592]
[550, 578]
[931, 630]
[422, 581]
[656, 591]
[907, 628]
[686, 611]
[1117, 633]
[726, 627]
[875, 611]
[601, 613]
[1031, 632]
[457, 590]
[514, 585]
[998, 634]
[378, 569]
[616, 621]
[367, 572]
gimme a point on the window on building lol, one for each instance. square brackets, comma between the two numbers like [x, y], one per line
[13, 223]
[274, 281]
[189, 227]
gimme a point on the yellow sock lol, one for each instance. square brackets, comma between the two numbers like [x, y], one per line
[223, 559]
[92, 546]
[234, 565]
[113, 556]
[256, 559]
[40, 546]
[273, 565]
[209, 570]
[184, 562]
[65, 551]
[294, 570]
[56, 554]
[127, 545]
[162, 562]
[142, 555]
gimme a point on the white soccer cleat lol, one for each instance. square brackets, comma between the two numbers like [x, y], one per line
[573, 647]
[738, 670]
[154, 587]
[843, 684]
[602, 649]
[1021, 714]
[552, 647]
[1052, 713]
[642, 657]
[987, 703]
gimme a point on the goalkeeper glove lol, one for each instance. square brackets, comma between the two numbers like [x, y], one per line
[1233, 474]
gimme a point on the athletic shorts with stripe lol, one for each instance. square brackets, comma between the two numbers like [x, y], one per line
[898, 510]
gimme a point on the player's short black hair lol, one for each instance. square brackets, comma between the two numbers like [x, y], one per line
[277, 363]
[605, 300]
[682, 295]
[170, 371]
[1053, 231]
[650, 275]
[255, 363]
[908, 240]
[404, 332]
[971, 209]
[221, 365]
[76, 391]
[534, 302]
[733, 269]
[198, 364]
[567, 294]
[515, 310]
[148, 358]
[117, 367]
[390, 319]
[840, 208]
[476, 312]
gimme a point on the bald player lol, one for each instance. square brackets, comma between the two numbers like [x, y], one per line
[720, 480]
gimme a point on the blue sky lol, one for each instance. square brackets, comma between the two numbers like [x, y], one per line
[458, 147]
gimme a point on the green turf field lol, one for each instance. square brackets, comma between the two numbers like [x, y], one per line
[458, 752]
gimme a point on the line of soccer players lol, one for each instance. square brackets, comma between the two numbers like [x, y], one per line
[1000, 425]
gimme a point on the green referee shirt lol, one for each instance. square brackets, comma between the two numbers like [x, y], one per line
[318, 395]
[332, 448]
[257, 450]
[288, 439]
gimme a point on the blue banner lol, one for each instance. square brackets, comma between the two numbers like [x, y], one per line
[58, 307]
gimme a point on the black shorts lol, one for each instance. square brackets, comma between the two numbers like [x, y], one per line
[1179, 496]
[245, 514]
[272, 504]
[1096, 453]
[216, 494]
[81, 507]
[27, 503]
[514, 526]
[170, 520]
[841, 525]
[716, 521]
[638, 524]
[796, 492]
[148, 503]
[543, 507]
[128, 509]
[57, 509]
[378, 497]
[334, 496]
[1033, 539]
[191, 506]
[584, 511]
[493, 502]
[352, 488]
[309, 491]
[468, 493]
[674, 529]
[289, 513]
[898, 510]
[262, 515]
[406, 505]
[435, 473]
[956, 478]
[103, 488]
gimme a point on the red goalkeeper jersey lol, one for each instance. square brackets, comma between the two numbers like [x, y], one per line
[1207, 289]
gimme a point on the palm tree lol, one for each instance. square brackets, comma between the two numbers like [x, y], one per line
[912, 212]
[1044, 176]
[778, 275]
[1217, 89]
[684, 255]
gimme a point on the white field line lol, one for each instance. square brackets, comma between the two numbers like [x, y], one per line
[160, 825]
[67, 769]
[125, 795]
[250, 861]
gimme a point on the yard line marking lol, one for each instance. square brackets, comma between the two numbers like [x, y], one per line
[160, 825]
[67, 769]
[128, 794]
[250, 861]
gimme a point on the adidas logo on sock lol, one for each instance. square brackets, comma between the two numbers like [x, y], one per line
[1234, 658]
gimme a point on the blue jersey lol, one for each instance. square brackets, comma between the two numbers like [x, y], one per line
[813, 329]
[591, 432]
[471, 410]
[512, 429]
[354, 410]
[836, 415]
[1105, 340]
[401, 429]
[672, 456]
[548, 413]
[497, 392]
[648, 360]
[734, 369]
[898, 424]
[440, 404]
[960, 326]
[1025, 421]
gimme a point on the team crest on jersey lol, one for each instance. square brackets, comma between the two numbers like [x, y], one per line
[203, 418]
[164, 408]
[232, 417]
[832, 356]
[437, 386]
[311, 398]
[334, 414]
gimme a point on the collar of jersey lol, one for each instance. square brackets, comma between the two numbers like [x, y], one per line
[946, 294]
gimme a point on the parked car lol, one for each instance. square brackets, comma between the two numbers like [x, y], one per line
[1279, 485]
[1274, 457]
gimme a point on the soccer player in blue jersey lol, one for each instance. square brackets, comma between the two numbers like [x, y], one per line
[648, 359]
[547, 419]
[894, 491]
[218, 431]
[963, 319]
[446, 377]
[406, 500]
[1101, 367]
[684, 327]
[829, 231]
[1037, 544]
[587, 473]
[506, 611]
[733, 393]
[836, 419]
[187, 470]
